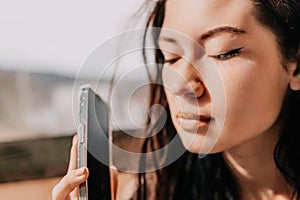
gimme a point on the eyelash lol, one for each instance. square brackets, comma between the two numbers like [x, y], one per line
[224, 56]
[171, 61]
[227, 55]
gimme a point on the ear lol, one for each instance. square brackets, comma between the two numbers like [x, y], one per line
[294, 73]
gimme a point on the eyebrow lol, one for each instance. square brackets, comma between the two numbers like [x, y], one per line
[208, 34]
[167, 39]
[222, 29]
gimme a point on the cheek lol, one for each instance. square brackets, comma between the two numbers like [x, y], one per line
[172, 99]
[254, 97]
[173, 105]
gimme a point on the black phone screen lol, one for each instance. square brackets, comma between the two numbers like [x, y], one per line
[98, 148]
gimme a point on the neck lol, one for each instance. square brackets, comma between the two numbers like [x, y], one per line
[254, 168]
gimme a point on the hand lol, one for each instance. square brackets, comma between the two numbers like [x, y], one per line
[67, 188]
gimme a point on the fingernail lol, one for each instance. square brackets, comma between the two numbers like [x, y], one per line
[80, 171]
[113, 167]
[74, 139]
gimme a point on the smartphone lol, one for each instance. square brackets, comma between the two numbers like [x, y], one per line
[94, 138]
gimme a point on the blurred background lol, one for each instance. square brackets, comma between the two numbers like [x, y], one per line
[43, 45]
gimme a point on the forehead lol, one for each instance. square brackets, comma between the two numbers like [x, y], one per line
[193, 17]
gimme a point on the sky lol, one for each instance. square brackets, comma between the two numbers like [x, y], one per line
[56, 36]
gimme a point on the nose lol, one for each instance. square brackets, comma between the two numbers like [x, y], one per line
[185, 81]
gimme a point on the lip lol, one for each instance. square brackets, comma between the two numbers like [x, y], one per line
[193, 122]
[192, 116]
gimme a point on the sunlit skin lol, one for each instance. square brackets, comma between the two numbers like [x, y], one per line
[244, 56]
[249, 62]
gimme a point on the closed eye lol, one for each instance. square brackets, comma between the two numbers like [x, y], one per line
[227, 55]
[172, 60]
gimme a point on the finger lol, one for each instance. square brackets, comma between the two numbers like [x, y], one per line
[74, 194]
[69, 182]
[73, 154]
[114, 181]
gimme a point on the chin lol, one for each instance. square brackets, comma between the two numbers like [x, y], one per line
[196, 144]
[195, 149]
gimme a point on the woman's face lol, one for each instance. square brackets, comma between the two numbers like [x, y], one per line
[248, 61]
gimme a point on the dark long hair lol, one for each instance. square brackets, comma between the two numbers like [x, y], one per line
[210, 178]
